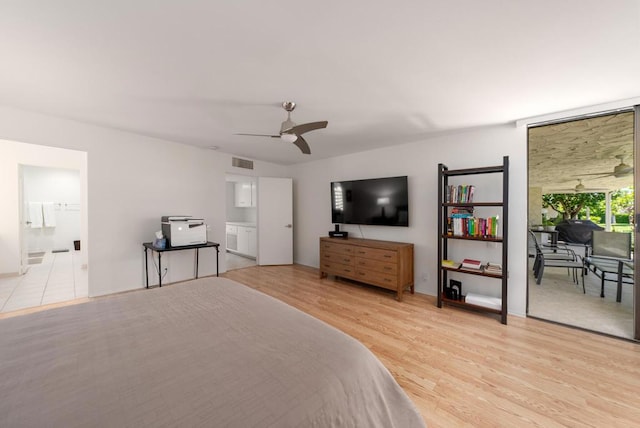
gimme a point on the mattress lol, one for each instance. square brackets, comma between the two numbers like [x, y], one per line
[210, 352]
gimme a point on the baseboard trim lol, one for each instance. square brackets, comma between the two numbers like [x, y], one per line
[9, 274]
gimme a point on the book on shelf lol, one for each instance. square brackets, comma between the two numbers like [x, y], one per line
[451, 264]
[461, 212]
[493, 268]
[484, 301]
[471, 264]
[460, 224]
[461, 194]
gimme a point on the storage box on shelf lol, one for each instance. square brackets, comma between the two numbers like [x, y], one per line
[384, 264]
[457, 222]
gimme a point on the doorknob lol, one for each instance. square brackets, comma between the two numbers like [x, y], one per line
[289, 226]
[27, 222]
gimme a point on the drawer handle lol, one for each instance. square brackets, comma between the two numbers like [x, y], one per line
[387, 279]
[347, 270]
[387, 268]
[361, 273]
[387, 256]
[362, 252]
[346, 260]
[327, 266]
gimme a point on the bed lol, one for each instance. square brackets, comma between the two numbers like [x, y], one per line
[209, 352]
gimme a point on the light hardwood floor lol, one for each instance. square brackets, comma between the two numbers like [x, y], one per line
[464, 368]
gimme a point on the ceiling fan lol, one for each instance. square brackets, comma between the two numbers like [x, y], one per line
[620, 170]
[292, 133]
[579, 188]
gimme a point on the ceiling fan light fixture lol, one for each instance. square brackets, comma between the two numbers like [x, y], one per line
[288, 138]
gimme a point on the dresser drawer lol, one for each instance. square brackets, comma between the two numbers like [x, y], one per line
[377, 266]
[377, 254]
[377, 278]
[336, 248]
[337, 258]
[338, 269]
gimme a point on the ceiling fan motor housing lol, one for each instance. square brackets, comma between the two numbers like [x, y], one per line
[289, 106]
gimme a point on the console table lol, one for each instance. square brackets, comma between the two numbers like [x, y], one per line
[149, 246]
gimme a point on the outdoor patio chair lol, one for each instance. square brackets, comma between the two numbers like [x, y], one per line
[557, 257]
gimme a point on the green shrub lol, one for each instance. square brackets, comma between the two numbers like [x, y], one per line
[622, 218]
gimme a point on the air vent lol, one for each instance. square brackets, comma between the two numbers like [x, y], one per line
[242, 163]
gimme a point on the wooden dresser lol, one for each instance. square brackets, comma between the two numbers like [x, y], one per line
[384, 264]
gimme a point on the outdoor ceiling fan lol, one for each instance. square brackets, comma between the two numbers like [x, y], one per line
[292, 133]
[620, 170]
[579, 188]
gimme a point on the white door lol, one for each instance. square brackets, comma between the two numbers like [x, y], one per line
[275, 221]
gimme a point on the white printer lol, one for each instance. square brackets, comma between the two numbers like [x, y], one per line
[182, 230]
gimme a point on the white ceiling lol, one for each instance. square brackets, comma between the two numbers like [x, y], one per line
[381, 73]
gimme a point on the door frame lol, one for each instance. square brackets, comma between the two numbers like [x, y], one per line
[636, 217]
[22, 213]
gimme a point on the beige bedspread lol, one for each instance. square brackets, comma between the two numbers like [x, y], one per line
[210, 352]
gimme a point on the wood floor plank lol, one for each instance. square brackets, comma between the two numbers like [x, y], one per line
[463, 368]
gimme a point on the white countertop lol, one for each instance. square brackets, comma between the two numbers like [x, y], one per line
[241, 223]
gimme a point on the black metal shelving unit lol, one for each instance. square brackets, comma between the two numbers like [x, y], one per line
[443, 242]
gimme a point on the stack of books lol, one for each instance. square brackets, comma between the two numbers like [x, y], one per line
[493, 268]
[471, 264]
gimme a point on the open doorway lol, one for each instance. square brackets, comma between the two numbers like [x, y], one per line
[241, 221]
[44, 229]
[581, 185]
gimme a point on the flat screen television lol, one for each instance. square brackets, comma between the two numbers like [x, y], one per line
[376, 201]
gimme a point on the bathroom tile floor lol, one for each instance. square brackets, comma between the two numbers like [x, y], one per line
[58, 278]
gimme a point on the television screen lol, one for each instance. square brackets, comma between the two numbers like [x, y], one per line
[377, 201]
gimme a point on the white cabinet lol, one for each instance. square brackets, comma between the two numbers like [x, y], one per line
[232, 237]
[245, 194]
[247, 241]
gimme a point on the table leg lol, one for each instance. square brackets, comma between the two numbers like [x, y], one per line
[217, 268]
[146, 266]
[619, 293]
[160, 268]
[197, 253]
[602, 284]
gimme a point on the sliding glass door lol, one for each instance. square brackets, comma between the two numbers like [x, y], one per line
[581, 185]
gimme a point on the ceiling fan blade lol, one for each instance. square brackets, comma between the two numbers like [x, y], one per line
[261, 135]
[602, 174]
[302, 145]
[306, 127]
[623, 173]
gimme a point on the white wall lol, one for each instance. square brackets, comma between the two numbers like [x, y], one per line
[419, 161]
[132, 181]
[62, 187]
